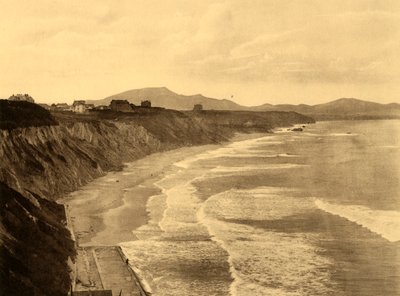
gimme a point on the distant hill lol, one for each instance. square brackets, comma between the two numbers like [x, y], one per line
[344, 108]
[163, 97]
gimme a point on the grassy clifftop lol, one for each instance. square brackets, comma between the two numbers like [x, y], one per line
[14, 114]
[249, 121]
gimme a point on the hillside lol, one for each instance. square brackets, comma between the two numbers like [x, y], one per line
[345, 108]
[163, 97]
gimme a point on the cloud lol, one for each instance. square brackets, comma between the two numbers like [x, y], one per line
[213, 35]
[92, 48]
[351, 48]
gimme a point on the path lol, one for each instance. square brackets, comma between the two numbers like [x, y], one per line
[104, 268]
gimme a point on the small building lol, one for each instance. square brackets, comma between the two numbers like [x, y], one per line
[22, 97]
[79, 106]
[197, 107]
[120, 105]
[145, 104]
[89, 106]
[78, 102]
[45, 106]
[101, 107]
[60, 107]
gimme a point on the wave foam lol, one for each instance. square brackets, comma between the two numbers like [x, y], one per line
[235, 148]
[264, 259]
[384, 223]
[203, 220]
[342, 134]
[226, 169]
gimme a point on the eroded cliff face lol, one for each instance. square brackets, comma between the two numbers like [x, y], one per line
[42, 163]
[39, 165]
[35, 245]
[52, 160]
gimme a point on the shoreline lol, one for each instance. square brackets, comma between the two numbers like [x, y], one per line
[95, 210]
[104, 212]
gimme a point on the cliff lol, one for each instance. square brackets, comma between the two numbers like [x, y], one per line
[42, 163]
[35, 245]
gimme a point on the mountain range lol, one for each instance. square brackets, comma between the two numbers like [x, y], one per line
[163, 97]
[340, 108]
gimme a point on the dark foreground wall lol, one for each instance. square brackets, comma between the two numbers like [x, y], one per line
[35, 245]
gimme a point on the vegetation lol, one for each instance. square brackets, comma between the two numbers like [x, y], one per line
[15, 114]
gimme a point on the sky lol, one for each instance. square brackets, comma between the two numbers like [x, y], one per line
[252, 52]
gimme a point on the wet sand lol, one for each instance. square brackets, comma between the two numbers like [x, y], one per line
[107, 210]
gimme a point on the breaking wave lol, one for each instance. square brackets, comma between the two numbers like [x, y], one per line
[384, 223]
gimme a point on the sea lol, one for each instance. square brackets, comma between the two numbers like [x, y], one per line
[315, 212]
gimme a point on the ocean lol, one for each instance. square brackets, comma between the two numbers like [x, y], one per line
[315, 212]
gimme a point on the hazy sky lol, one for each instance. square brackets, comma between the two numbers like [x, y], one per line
[263, 51]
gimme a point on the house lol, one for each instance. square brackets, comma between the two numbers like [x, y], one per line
[146, 104]
[45, 106]
[197, 107]
[89, 106]
[79, 106]
[21, 97]
[101, 107]
[60, 107]
[120, 105]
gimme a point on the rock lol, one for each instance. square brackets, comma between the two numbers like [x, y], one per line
[297, 129]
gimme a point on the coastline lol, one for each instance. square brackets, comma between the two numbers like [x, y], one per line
[99, 211]
[104, 212]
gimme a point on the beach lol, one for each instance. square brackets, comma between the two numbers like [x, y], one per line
[104, 213]
[288, 213]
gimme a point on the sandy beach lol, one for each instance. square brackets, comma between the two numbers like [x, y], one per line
[105, 211]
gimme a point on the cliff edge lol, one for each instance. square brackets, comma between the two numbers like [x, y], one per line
[56, 153]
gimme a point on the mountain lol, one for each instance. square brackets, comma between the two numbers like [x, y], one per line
[163, 97]
[350, 105]
[302, 108]
[344, 108]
